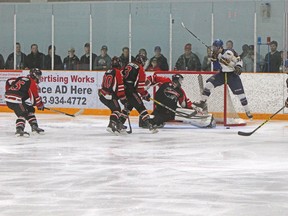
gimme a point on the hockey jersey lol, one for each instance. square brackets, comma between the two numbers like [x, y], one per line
[168, 94]
[22, 89]
[134, 78]
[112, 84]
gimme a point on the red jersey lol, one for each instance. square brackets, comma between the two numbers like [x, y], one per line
[22, 89]
[134, 78]
[112, 84]
[179, 93]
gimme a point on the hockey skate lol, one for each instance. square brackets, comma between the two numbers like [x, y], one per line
[113, 128]
[152, 127]
[37, 130]
[203, 105]
[249, 115]
[21, 133]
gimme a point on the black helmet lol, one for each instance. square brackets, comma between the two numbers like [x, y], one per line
[141, 59]
[177, 79]
[35, 74]
[116, 62]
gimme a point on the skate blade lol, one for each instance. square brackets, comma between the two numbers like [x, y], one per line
[153, 131]
[38, 133]
[117, 133]
[26, 135]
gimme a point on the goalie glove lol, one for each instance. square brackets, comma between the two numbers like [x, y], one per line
[238, 70]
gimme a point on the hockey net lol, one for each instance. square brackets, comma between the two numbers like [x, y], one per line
[219, 103]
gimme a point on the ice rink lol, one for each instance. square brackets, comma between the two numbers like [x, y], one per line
[79, 169]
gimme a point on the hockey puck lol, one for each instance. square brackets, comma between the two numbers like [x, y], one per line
[227, 127]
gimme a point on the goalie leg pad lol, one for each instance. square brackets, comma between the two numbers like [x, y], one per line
[206, 122]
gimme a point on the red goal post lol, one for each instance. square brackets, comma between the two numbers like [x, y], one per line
[220, 102]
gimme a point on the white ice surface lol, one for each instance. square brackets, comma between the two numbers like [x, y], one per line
[79, 169]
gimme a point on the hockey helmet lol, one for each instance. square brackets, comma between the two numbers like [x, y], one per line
[35, 73]
[116, 62]
[177, 79]
[141, 59]
[218, 43]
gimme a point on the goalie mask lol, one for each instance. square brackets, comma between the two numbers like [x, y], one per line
[177, 79]
[35, 74]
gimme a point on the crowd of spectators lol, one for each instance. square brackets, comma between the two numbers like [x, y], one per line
[189, 61]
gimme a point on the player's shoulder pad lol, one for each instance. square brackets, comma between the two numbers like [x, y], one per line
[25, 78]
[133, 65]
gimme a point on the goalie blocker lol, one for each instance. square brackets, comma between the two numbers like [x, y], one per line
[168, 96]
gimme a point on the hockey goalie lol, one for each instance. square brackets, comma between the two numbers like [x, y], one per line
[167, 98]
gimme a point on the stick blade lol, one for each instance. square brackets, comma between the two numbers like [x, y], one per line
[183, 25]
[241, 133]
[78, 112]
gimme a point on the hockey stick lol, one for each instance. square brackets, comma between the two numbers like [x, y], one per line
[129, 124]
[201, 83]
[71, 115]
[250, 133]
[179, 113]
[194, 35]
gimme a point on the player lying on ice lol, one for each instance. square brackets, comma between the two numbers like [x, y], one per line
[170, 94]
[20, 96]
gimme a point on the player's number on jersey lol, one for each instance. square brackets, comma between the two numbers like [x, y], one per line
[127, 70]
[17, 86]
[107, 81]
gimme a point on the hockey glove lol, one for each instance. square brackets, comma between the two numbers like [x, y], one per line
[238, 70]
[40, 106]
[286, 102]
[146, 96]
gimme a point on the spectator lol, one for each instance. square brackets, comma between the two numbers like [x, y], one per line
[35, 59]
[124, 58]
[143, 53]
[283, 69]
[103, 61]
[2, 62]
[272, 59]
[248, 61]
[245, 51]
[71, 62]
[57, 60]
[154, 65]
[229, 46]
[20, 59]
[85, 59]
[188, 61]
[206, 65]
[161, 60]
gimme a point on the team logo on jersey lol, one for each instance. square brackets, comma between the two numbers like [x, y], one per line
[171, 93]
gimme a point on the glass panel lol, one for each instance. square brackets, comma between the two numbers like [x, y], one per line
[34, 27]
[270, 27]
[6, 33]
[197, 18]
[110, 31]
[71, 31]
[235, 21]
[150, 28]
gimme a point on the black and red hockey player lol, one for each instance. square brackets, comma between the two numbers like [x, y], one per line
[170, 94]
[20, 96]
[134, 78]
[112, 89]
